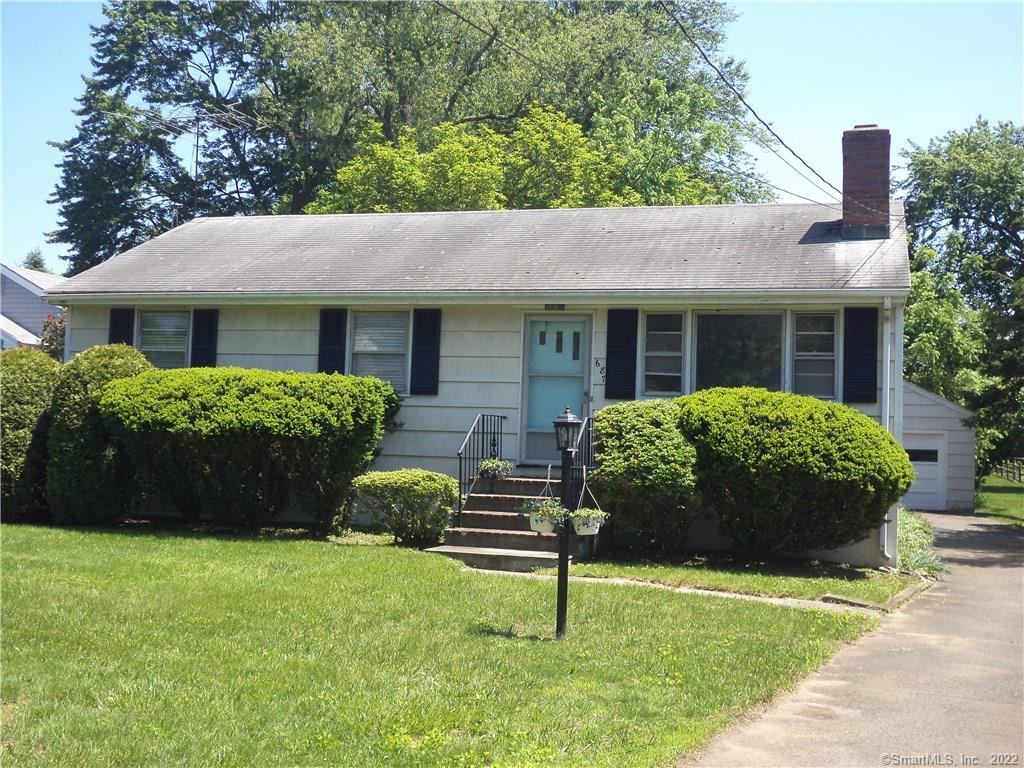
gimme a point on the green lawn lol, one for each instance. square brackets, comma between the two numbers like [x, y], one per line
[806, 580]
[1001, 499]
[158, 648]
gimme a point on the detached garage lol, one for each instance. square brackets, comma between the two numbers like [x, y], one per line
[941, 449]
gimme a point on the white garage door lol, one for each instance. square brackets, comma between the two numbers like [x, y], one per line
[927, 452]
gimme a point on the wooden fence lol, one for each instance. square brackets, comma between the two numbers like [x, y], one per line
[1011, 469]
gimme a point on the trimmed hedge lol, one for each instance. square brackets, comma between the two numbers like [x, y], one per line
[645, 475]
[238, 444]
[27, 379]
[413, 505]
[785, 472]
[89, 481]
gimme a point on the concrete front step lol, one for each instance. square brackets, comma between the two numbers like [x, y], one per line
[489, 537]
[502, 521]
[495, 502]
[499, 559]
[515, 486]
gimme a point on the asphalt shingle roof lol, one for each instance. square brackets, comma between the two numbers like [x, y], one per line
[684, 249]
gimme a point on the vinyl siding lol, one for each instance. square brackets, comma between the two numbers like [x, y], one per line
[24, 307]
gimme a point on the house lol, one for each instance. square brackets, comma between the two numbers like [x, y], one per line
[22, 306]
[520, 313]
[941, 447]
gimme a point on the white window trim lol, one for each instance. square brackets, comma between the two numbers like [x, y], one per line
[683, 353]
[137, 329]
[350, 341]
[837, 368]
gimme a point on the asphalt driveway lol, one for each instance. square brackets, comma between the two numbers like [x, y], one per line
[941, 682]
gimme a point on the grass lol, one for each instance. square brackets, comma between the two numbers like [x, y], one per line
[1001, 499]
[915, 545]
[807, 580]
[158, 648]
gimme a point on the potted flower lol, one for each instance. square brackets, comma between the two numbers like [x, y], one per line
[587, 522]
[495, 469]
[544, 514]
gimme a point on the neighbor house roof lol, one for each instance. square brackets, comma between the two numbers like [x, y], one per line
[17, 333]
[659, 250]
[32, 279]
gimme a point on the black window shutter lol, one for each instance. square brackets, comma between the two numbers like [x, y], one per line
[332, 340]
[426, 351]
[620, 368]
[860, 355]
[204, 337]
[122, 326]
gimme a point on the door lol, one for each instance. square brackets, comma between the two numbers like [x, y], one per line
[927, 453]
[556, 370]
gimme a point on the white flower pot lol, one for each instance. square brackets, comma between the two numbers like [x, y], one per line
[585, 528]
[540, 525]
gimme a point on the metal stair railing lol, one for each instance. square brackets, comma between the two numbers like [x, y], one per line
[483, 441]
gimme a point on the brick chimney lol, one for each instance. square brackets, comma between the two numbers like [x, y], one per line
[866, 183]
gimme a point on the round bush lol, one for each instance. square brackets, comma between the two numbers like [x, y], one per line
[239, 445]
[784, 472]
[89, 481]
[27, 379]
[413, 505]
[645, 475]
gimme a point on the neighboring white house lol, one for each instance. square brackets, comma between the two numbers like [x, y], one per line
[520, 313]
[22, 306]
[941, 448]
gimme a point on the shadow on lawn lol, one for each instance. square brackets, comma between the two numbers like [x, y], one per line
[171, 528]
[486, 629]
[720, 563]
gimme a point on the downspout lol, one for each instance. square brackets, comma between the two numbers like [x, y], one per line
[886, 383]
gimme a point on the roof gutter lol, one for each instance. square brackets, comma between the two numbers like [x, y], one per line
[575, 297]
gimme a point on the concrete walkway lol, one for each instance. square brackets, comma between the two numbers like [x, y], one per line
[942, 676]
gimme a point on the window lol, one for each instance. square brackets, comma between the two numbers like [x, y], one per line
[814, 355]
[739, 351]
[663, 354]
[163, 338]
[379, 344]
[923, 455]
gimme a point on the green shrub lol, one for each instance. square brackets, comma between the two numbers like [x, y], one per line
[645, 475]
[89, 481]
[785, 472]
[916, 545]
[237, 445]
[413, 505]
[27, 379]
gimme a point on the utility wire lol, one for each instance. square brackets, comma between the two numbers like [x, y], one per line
[731, 87]
[499, 41]
[721, 76]
[729, 169]
[721, 167]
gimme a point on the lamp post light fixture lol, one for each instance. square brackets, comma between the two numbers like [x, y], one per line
[567, 427]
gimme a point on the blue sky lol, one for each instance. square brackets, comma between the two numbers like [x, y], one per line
[919, 69]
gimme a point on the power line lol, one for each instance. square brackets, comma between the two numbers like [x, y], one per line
[721, 76]
[729, 169]
[493, 34]
[731, 87]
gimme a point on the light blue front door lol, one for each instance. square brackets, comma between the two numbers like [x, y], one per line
[557, 355]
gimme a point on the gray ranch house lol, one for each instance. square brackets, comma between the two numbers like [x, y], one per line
[520, 313]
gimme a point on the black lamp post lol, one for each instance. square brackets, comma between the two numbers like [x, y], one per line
[567, 426]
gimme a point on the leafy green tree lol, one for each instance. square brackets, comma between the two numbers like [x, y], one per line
[546, 162]
[34, 260]
[965, 198]
[309, 79]
[551, 163]
[943, 339]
